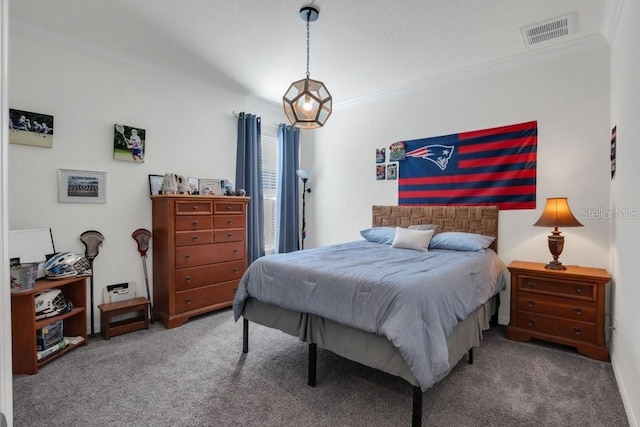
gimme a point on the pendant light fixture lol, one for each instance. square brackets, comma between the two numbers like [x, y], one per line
[307, 102]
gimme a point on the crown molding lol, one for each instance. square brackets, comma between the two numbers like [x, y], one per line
[504, 64]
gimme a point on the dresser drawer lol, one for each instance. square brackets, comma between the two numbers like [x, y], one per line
[229, 235]
[195, 237]
[558, 307]
[565, 288]
[193, 256]
[204, 296]
[222, 207]
[194, 277]
[195, 207]
[229, 221]
[572, 329]
[193, 222]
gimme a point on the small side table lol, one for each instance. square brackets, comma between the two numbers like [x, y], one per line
[562, 306]
[139, 305]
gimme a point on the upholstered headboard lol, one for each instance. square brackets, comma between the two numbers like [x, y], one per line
[471, 219]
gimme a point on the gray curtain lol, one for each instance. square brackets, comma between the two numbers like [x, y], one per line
[287, 209]
[249, 178]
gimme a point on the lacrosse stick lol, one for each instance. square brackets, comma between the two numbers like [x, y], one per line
[120, 130]
[142, 237]
[92, 241]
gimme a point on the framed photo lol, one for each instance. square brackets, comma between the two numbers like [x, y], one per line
[77, 186]
[129, 143]
[29, 128]
[155, 184]
[210, 187]
[193, 185]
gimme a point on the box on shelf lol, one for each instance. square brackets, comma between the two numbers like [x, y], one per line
[49, 335]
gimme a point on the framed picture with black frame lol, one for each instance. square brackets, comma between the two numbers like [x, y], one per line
[155, 184]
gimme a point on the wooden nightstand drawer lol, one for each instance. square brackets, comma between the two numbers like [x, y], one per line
[581, 331]
[541, 304]
[564, 288]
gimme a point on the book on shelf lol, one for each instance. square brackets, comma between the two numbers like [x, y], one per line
[53, 349]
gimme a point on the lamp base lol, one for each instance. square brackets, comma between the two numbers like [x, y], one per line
[555, 265]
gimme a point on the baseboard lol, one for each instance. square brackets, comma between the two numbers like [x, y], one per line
[633, 421]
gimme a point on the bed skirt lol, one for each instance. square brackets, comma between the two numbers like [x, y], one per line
[364, 347]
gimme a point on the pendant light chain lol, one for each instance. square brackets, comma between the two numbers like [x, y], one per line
[308, 18]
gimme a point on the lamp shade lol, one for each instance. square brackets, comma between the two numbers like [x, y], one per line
[557, 214]
[307, 104]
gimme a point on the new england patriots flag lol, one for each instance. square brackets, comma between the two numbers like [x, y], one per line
[486, 167]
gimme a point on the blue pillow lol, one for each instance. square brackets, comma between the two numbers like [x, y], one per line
[459, 241]
[379, 234]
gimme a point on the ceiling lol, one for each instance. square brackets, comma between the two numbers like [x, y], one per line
[359, 48]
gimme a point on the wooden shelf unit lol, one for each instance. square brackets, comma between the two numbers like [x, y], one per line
[24, 324]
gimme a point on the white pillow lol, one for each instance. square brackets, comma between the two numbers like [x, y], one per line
[417, 240]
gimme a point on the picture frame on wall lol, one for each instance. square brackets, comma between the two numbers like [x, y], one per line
[129, 143]
[29, 128]
[80, 186]
[155, 184]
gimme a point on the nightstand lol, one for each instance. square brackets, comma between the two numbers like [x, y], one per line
[561, 306]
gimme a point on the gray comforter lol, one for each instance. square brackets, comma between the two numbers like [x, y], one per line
[413, 298]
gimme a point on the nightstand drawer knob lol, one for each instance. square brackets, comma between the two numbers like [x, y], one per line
[531, 284]
[531, 303]
[578, 310]
[531, 322]
[577, 330]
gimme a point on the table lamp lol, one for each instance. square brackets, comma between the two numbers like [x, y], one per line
[557, 214]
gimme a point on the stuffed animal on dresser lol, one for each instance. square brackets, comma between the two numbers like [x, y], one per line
[175, 184]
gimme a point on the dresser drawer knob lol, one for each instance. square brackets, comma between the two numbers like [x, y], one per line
[531, 284]
[194, 207]
[188, 301]
[194, 223]
[187, 257]
[235, 251]
[229, 222]
[531, 322]
[578, 310]
[531, 303]
[577, 330]
[187, 279]
[579, 291]
[228, 208]
[229, 235]
[235, 271]
[194, 237]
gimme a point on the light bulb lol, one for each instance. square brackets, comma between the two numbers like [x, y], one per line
[307, 106]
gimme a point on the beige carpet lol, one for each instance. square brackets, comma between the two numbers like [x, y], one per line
[196, 375]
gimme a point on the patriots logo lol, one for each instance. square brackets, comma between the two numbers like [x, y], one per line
[438, 154]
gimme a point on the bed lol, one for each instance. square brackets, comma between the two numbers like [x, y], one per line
[360, 299]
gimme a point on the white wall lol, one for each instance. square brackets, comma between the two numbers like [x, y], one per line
[6, 379]
[625, 232]
[569, 97]
[190, 130]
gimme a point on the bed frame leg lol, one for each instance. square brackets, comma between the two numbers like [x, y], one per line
[416, 416]
[245, 335]
[471, 356]
[313, 350]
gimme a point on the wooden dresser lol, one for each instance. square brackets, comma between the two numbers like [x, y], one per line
[561, 306]
[199, 254]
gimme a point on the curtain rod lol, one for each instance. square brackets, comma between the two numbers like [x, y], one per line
[236, 115]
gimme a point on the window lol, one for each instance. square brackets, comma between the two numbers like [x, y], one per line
[269, 187]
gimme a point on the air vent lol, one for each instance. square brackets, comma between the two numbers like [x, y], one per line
[547, 30]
